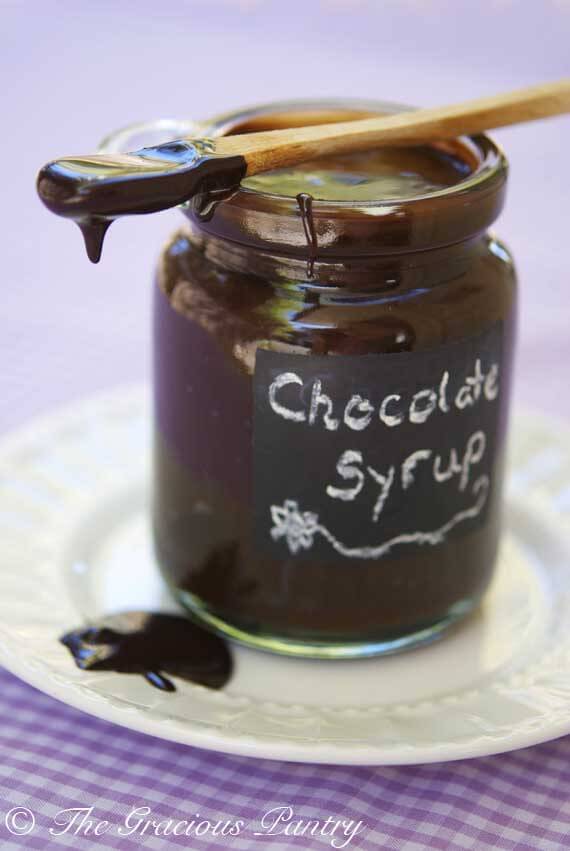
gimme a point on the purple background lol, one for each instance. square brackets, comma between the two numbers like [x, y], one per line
[72, 71]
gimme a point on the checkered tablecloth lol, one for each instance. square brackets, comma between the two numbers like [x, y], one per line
[55, 759]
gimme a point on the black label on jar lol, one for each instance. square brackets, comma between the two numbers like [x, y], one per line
[368, 456]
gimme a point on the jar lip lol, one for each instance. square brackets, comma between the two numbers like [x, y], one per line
[272, 223]
[491, 161]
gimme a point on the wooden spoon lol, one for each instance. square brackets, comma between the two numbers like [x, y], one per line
[94, 190]
[277, 148]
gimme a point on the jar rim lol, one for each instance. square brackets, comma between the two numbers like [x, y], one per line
[489, 156]
[492, 159]
[272, 223]
[350, 229]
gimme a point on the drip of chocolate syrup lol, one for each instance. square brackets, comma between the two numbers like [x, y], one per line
[305, 202]
[152, 645]
[95, 190]
[94, 230]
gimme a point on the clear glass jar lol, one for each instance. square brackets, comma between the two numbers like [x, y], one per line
[331, 398]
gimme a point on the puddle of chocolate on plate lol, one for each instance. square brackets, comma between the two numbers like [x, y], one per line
[153, 645]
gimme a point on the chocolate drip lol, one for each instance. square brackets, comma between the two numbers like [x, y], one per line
[95, 190]
[94, 230]
[149, 644]
[305, 202]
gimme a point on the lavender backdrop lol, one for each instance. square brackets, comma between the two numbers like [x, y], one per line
[71, 71]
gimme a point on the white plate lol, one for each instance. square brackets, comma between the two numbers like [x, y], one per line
[74, 543]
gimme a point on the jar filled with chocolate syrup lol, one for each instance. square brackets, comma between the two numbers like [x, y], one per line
[333, 352]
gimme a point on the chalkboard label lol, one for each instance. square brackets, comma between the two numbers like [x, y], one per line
[369, 456]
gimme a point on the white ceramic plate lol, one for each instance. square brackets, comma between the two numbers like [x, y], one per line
[74, 543]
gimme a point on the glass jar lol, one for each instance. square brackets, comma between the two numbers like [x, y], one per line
[331, 395]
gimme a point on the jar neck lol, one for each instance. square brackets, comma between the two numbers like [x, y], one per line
[356, 275]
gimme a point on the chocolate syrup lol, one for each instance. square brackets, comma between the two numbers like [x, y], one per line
[384, 173]
[152, 645]
[305, 202]
[95, 190]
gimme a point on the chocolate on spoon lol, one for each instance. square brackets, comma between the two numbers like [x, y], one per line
[94, 190]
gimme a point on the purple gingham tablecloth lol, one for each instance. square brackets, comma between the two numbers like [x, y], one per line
[54, 759]
[72, 70]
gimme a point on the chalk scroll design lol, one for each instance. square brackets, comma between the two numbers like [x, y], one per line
[300, 527]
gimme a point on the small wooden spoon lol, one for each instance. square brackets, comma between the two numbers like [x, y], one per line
[94, 190]
[277, 148]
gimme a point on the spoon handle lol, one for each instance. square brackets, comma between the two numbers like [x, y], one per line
[278, 148]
